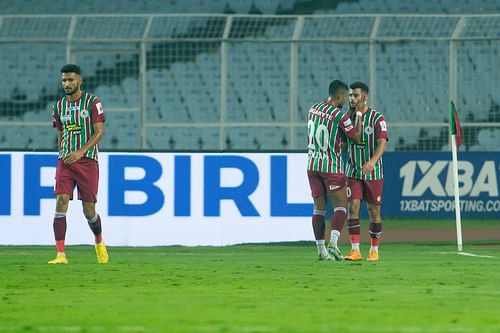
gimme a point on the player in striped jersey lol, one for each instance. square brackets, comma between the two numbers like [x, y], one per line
[327, 128]
[79, 120]
[364, 171]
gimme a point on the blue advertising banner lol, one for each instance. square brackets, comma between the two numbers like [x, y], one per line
[222, 199]
[421, 184]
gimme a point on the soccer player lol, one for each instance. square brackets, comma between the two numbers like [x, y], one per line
[327, 128]
[364, 171]
[79, 120]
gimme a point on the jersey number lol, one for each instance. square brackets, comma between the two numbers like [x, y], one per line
[318, 135]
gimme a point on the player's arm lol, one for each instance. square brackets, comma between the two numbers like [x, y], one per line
[382, 136]
[59, 140]
[379, 151]
[95, 138]
[56, 123]
[357, 136]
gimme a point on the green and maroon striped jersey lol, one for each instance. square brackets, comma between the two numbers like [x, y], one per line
[327, 128]
[75, 121]
[374, 127]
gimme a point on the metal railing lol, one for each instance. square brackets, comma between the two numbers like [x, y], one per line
[222, 82]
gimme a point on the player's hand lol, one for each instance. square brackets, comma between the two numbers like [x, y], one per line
[72, 157]
[368, 167]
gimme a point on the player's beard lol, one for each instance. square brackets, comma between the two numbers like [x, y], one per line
[70, 91]
[356, 107]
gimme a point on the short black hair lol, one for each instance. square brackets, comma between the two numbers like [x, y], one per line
[360, 85]
[335, 87]
[71, 68]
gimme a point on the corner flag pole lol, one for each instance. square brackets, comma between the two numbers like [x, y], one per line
[456, 139]
[455, 190]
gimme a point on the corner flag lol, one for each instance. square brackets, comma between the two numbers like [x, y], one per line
[456, 141]
[455, 128]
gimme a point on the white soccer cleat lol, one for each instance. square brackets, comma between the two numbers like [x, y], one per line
[325, 257]
[334, 252]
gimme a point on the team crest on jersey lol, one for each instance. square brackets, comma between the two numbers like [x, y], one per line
[84, 113]
[368, 130]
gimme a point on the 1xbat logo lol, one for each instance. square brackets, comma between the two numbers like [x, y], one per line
[422, 176]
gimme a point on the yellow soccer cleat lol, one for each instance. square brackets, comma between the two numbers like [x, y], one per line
[354, 255]
[102, 253]
[372, 256]
[60, 259]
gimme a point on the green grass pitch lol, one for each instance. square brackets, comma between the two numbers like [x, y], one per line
[250, 288]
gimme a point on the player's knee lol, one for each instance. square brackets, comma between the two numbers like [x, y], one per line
[89, 211]
[339, 198]
[89, 214]
[62, 203]
[353, 207]
[374, 212]
[320, 203]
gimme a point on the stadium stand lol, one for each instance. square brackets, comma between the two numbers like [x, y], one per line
[250, 7]
[182, 83]
[149, 6]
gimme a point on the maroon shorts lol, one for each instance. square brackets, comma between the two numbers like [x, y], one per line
[322, 183]
[84, 174]
[367, 190]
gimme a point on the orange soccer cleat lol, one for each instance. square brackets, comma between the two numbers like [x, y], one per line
[372, 256]
[354, 255]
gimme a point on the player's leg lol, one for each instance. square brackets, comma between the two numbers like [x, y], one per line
[318, 223]
[59, 225]
[336, 185]
[93, 219]
[354, 193]
[374, 201]
[94, 222]
[318, 217]
[339, 200]
[375, 230]
[63, 189]
[87, 179]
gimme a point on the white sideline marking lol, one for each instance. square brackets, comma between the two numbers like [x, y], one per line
[474, 255]
[467, 254]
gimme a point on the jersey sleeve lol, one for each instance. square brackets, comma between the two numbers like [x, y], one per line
[97, 112]
[347, 126]
[56, 119]
[381, 131]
